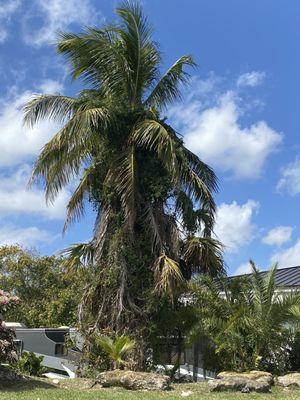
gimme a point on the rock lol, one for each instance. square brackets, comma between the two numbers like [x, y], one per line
[260, 376]
[134, 380]
[253, 381]
[290, 380]
[55, 381]
[238, 385]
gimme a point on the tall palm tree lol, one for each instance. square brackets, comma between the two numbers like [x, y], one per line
[153, 196]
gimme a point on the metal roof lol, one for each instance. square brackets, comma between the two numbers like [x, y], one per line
[287, 277]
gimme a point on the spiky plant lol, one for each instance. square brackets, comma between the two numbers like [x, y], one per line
[117, 349]
[149, 191]
[249, 320]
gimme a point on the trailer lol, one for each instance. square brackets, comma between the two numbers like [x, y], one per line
[50, 343]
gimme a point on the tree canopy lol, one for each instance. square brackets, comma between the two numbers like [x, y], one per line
[153, 197]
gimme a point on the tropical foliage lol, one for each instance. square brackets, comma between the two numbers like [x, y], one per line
[118, 349]
[250, 324]
[30, 364]
[50, 296]
[153, 197]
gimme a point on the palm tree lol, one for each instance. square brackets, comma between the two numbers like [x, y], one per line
[118, 349]
[249, 322]
[153, 197]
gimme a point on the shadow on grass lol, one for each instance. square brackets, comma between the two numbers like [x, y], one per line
[26, 385]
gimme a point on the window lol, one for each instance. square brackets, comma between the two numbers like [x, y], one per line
[60, 349]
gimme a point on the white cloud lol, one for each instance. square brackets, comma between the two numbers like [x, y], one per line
[278, 236]
[234, 226]
[50, 86]
[26, 237]
[16, 199]
[19, 143]
[7, 8]
[58, 15]
[216, 135]
[290, 178]
[289, 257]
[251, 79]
[244, 268]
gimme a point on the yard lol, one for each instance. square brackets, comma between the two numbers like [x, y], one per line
[79, 390]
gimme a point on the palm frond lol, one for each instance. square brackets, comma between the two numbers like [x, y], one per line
[152, 135]
[168, 87]
[124, 178]
[53, 107]
[167, 277]
[78, 255]
[205, 255]
[141, 53]
[75, 207]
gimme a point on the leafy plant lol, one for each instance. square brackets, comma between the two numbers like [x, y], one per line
[118, 349]
[250, 324]
[30, 364]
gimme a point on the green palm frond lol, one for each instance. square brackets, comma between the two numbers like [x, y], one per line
[75, 207]
[78, 255]
[205, 173]
[53, 107]
[141, 53]
[204, 254]
[154, 136]
[117, 349]
[124, 179]
[167, 89]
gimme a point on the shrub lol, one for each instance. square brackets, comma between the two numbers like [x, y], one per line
[30, 364]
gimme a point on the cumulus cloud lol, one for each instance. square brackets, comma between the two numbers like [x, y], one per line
[16, 199]
[244, 268]
[19, 143]
[278, 236]
[219, 138]
[252, 79]
[289, 257]
[290, 178]
[26, 237]
[234, 224]
[58, 15]
[7, 9]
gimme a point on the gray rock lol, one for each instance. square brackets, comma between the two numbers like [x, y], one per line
[290, 380]
[134, 380]
[238, 385]
[253, 381]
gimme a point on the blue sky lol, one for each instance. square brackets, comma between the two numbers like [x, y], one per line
[240, 115]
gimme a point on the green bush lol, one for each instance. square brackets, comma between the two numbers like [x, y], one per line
[30, 364]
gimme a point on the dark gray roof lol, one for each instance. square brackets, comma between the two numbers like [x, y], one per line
[288, 277]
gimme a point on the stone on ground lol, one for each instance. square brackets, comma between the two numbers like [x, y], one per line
[134, 380]
[290, 380]
[253, 381]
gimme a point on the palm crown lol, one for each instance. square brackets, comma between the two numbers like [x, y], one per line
[132, 165]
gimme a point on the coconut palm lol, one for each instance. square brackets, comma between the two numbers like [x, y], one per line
[148, 190]
[250, 322]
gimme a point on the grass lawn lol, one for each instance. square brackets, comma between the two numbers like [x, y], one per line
[78, 389]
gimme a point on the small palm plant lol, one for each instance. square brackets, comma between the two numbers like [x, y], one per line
[249, 322]
[117, 349]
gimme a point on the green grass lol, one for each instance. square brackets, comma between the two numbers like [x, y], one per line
[78, 389]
